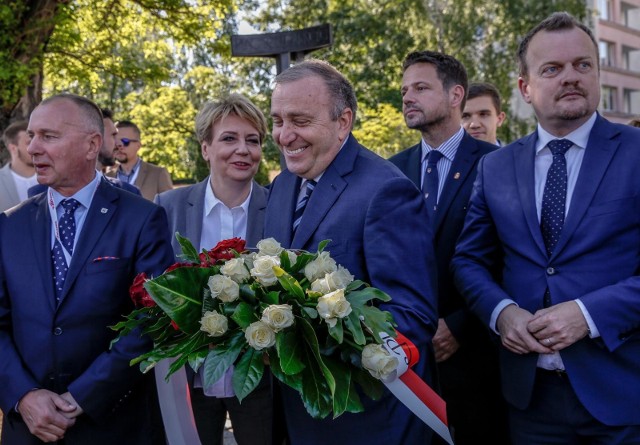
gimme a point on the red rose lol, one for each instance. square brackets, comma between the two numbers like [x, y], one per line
[139, 294]
[179, 265]
[224, 250]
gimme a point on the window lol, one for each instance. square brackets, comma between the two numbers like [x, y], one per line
[630, 58]
[631, 100]
[604, 8]
[630, 15]
[607, 53]
[608, 98]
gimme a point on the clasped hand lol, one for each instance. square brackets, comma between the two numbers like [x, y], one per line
[547, 331]
[48, 415]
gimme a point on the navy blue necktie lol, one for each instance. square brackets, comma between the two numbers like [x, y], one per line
[554, 196]
[67, 234]
[431, 182]
[554, 199]
[297, 215]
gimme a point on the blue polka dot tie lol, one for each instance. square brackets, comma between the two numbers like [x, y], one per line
[297, 215]
[431, 182]
[555, 195]
[67, 232]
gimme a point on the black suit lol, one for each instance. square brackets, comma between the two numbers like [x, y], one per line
[469, 379]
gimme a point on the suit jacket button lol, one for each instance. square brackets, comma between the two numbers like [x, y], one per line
[550, 271]
[57, 331]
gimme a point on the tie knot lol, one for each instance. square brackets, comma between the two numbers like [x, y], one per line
[70, 205]
[310, 185]
[559, 146]
[433, 157]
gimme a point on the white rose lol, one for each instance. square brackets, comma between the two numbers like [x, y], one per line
[293, 257]
[236, 270]
[378, 361]
[333, 306]
[223, 288]
[339, 279]
[249, 258]
[319, 267]
[214, 324]
[263, 270]
[321, 286]
[278, 316]
[259, 335]
[269, 247]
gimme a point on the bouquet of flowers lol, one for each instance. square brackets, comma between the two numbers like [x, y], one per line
[300, 312]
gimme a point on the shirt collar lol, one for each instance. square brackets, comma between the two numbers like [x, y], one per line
[84, 196]
[210, 200]
[448, 148]
[133, 170]
[579, 136]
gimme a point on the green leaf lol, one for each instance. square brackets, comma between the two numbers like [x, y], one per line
[346, 397]
[323, 244]
[336, 331]
[197, 359]
[365, 295]
[311, 312]
[352, 322]
[292, 381]
[289, 283]
[377, 321]
[244, 315]
[178, 293]
[222, 356]
[315, 394]
[247, 373]
[289, 347]
[310, 338]
[189, 252]
[372, 387]
[272, 297]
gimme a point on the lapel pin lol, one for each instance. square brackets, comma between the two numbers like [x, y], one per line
[457, 175]
[103, 210]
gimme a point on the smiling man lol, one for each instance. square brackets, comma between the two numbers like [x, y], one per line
[557, 213]
[483, 115]
[335, 189]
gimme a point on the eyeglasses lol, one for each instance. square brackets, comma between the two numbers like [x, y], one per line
[126, 141]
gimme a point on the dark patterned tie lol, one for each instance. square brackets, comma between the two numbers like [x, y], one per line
[555, 195]
[297, 215]
[430, 182]
[67, 233]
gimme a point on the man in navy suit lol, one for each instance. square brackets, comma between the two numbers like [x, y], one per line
[434, 87]
[60, 379]
[559, 212]
[373, 216]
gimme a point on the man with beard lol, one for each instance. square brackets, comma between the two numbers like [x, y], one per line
[558, 212]
[443, 165]
[150, 179]
[18, 175]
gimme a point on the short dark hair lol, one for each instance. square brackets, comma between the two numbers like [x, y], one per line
[106, 113]
[10, 135]
[450, 70]
[128, 124]
[478, 89]
[634, 122]
[90, 110]
[340, 89]
[558, 21]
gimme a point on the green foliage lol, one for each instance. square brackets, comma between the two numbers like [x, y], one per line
[383, 130]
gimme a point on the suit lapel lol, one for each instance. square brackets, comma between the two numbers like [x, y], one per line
[524, 158]
[193, 213]
[101, 211]
[597, 157]
[461, 168]
[282, 202]
[142, 175]
[327, 191]
[255, 222]
[41, 238]
[413, 166]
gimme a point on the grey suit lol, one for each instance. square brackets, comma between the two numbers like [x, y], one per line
[8, 192]
[252, 420]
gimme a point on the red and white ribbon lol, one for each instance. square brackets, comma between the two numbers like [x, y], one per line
[411, 390]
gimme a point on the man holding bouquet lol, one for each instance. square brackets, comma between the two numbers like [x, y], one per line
[335, 189]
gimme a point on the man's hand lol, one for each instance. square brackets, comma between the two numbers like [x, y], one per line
[45, 412]
[76, 412]
[512, 324]
[558, 326]
[444, 343]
